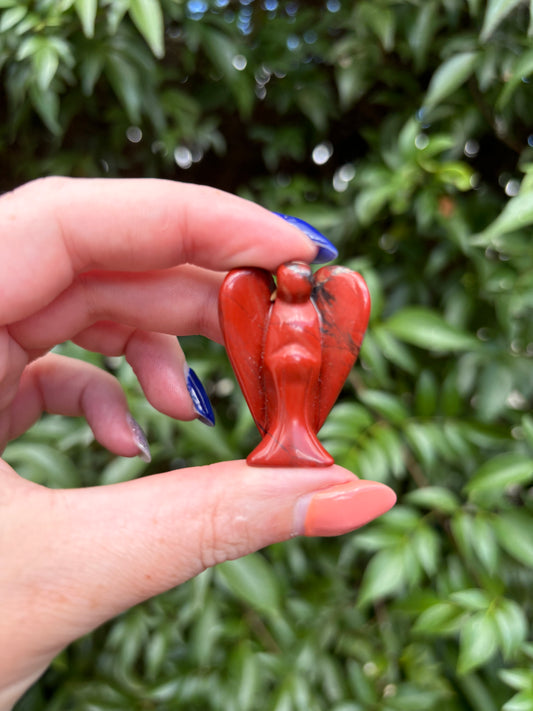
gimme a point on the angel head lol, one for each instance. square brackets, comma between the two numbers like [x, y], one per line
[294, 282]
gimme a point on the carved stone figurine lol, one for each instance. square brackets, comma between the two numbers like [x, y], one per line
[292, 345]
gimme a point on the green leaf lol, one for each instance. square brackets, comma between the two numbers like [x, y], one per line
[512, 626]
[527, 427]
[370, 201]
[517, 214]
[422, 441]
[371, 356]
[437, 144]
[449, 77]
[206, 631]
[473, 599]
[352, 82]
[426, 394]
[46, 62]
[394, 350]
[402, 518]
[439, 619]
[514, 530]
[148, 18]
[164, 693]
[455, 173]
[422, 31]
[28, 47]
[426, 544]
[451, 402]
[522, 701]
[46, 104]
[455, 442]
[495, 384]
[373, 461]
[380, 20]
[221, 50]
[313, 104]
[522, 68]
[499, 473]
[485, 545]
[252, 580]
[86, 10]
[115, 14]
[496, 12]
[478, 642]
[217, 446]
[12, 17]
[250, 674]
[346, 420]
[126, 84]
[391, 444]
[92, 66]
[155, 652]
[31, 22]
[462, 526]
[388, 406]
[427, 329]
[122, 469]
[385, 574]
[519, 679]
[41, 463]
[374, 538]
[434, 497]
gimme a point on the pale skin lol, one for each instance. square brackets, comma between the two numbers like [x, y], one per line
[121, 268]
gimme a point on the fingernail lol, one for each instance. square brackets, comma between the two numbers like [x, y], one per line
[326, 251]
[200, 400]
[342, 508]
[140, 439]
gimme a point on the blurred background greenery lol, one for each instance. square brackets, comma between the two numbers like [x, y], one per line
[403, 130]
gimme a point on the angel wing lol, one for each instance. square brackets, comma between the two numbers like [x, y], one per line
[244, 302]
[342, 299]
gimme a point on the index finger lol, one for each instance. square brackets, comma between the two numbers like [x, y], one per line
[54, 228]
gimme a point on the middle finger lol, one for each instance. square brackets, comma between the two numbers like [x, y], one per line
[179, 301]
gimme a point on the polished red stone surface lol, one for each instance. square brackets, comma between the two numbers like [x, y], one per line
[292, 345]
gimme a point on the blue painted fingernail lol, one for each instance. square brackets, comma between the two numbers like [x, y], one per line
[326, 251]
[199, 398]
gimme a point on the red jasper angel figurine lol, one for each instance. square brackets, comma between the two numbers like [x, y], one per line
[292, 344]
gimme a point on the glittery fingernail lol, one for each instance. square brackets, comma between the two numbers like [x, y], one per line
[139, 438]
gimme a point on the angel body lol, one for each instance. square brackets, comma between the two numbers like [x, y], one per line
[291, 349]
[292, 358]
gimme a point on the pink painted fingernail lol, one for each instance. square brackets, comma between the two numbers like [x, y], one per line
[342, 508]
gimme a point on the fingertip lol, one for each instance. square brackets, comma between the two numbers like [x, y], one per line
[327, 251]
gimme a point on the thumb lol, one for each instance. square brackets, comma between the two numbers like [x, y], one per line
[140, 538]
[151, 534]
[95, 552]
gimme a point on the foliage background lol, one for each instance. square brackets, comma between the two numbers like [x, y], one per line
[403, 131]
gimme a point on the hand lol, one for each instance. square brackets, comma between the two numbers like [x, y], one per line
[122, 267]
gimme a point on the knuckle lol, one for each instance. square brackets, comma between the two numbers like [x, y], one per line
[225, 534]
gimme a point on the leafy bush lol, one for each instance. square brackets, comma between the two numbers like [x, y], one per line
[402, 130]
